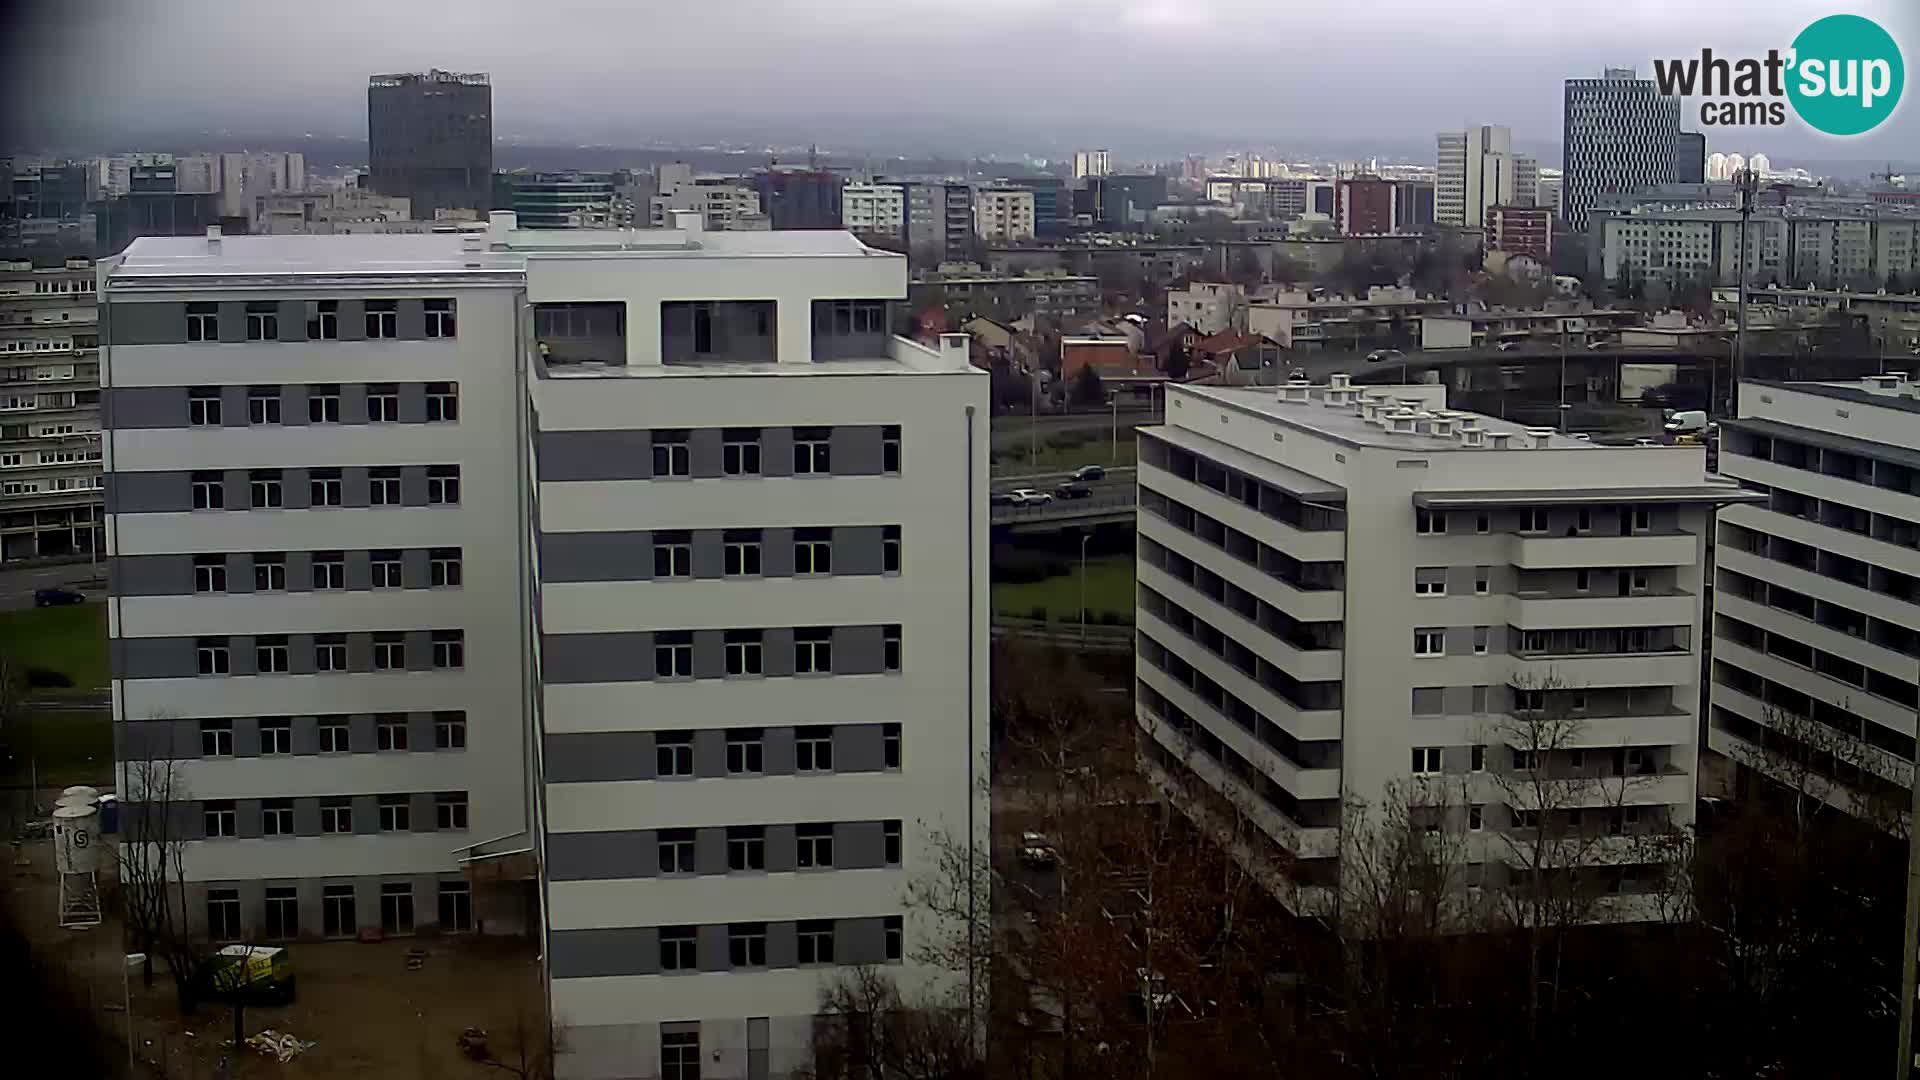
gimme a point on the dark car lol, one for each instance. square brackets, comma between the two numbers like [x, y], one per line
[1072, 491]
[1000, 498]
[55, 597]
[1090, 472]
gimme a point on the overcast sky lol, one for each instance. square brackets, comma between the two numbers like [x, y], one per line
[954, 75]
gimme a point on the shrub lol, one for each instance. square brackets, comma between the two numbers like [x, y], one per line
[40, 678]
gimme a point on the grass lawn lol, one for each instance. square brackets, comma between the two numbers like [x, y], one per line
[1013, 459]
[71, 640]
[1109, 588]
[64, 748]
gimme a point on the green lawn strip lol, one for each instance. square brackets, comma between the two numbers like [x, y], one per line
[58, 748]
[1013, 460]
[1109, 589]
[71, 640]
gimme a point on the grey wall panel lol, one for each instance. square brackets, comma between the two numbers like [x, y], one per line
[858, 748]
[776, 451]
[306, 732]
[709, 553]
[422, 808]
[587, 658]
[151, 575]
[856, 549]
[246, 815]
[420, 732]
[859, 941]
[296, 489]
[415, 572]
[599, 756]
[776, 552]
[710, 851]
[129, 407]
[300, 654]
[413, 485]
[413, 403]
[777, 651]
[156, 739]
[858, 650]
[782, 849]
[359, 657]
[299, 571]
[602, 856]
[856, 451]
[239, 572]
[419, 650]
[360, 733]
[704, 449]
[366, 816]
[596, 556]
[582, 954]
[783, 945]
[859, 845]
[233, 320]
[306, 818]
[710, 655]
[709, 744]
[596, 455]
[353, 321]
[359, 569]
[711, 952]
[411, 323]
[353, 402]
[233, 405]
[293, 320]
[293, 405]
[155, 658]
[355, 490]
[149, 492]
[148, 324]
[246, 736]
[777, 751]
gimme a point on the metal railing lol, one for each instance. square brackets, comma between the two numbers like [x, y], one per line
[1066, 509]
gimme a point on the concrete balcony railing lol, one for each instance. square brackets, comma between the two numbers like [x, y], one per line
[1601, 610]
[1307, 665]
[1640, 549]
[1679, 667]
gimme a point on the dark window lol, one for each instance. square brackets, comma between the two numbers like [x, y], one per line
[323, 320]
[263, 405]
[673, 753]
[890, 647]
[456, 907]
[747, 945]
[743, 648]
[893, 933]
[335, 735]
[815, 846]
[671, 454]
[323, 404]
[742, 552]
[673, 654]
[209, 491]
[890, 549]
[443, 567]
[890, 449]
[449, 731]
[443, 402]
[443, 485]
[383, 318]
[283, 911]
[203, 322]
[891, 837]
[679, 1053]
[325, 487]
[336, 910]
[676, 851]
[672, 554]
[679, 950]
[813, 651]
[440, 319]
[745, 748]
[816, 941]
[449, 649]
[890, 745]
[450, 810]
[740, 452]
[812, 450]
[813, 749]
[329, 570]
[330, 652]
[746, 847]
[203, 406]
[223, 914]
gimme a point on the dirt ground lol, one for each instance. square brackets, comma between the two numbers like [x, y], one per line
[367, 1015]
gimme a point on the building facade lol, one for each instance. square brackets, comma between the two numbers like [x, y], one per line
[1091, 163]
[1478, 168]
[556, 660]
[569, 200]
[875, 209]
[1817, 596]
[430, 139]
[1367, 206]
[800, 198]
[1620, 134]
[1859, 250]
[725, 203]
[1521, 230]
[50, 456]
[1003, 215]
[1348, 594]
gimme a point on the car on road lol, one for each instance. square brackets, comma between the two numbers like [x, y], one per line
[1072, 491]
[1001, 498]
[1089, 472]
[56, 597]
[1378, 355]
[1029, 497]
[1036, 850]
[1507, 346]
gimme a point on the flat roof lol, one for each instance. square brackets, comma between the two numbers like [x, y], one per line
[1347, 426]
[1711, 491]
[165, 257]
[1845, 392]
[1899, 455]
[1292, 481]
[732, 369]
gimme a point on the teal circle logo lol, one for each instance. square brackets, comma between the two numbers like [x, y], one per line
[1846, 76]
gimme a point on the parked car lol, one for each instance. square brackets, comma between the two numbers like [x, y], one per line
[1378, 355]
[1089, 472]
[1029, 497]
[56, 597]
[1072, 491]
[1686, 422]
[1036, 850]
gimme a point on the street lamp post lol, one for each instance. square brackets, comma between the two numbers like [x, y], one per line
[1084, 537]
[1114, 400]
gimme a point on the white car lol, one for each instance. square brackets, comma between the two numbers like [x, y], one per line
[1036, 850]
[1029, 497]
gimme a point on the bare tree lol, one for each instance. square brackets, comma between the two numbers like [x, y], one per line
[1826, 765]
[865, 1030]
[151, 858]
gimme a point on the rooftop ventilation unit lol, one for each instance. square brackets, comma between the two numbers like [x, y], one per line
[1891, 380]
[1442, 427]
[1541, 436]
[1472, 437]
[1499, 439]
[1337, 397]
[1401, 422]
[1340, 380]
[1296, 391]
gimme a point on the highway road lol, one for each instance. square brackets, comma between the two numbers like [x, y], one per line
[1118, 481]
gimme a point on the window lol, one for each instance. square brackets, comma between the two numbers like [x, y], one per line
[383, 487]
[389, 652]
[395, 814]
[450, 810]
[211, 655]
[813, 749]
[671, 454]
[1583, 520]
[336, 816]
[673, 753]
[220, 817]
[812, 451]
[383, 319]
[385, 566]
[209, 492]
[1430, 581]
[1429, 642]
[743, 652]
[269, 571]
[324, 487]
[283, 912]
[203, 406]
[1482, 580]
[335, 736]
[1641, 521]
[456, 907]
[1479, 758]
[263, 489]
[893, 937]
[816, 941]
[1482, 522]
[329, 570]
[1582, 580]
[449, 731]
[336, 910]
[1429, 522]
[815, 846]
[744, 751]
[216, 738]
[1476, 817]
[383, 403]
[890, 648]
[890, 449]
[1639, 581]
[449, 649]
[439, 319]
[1525, 819]
[890, 549]
[1426, 761]
[396, 908]
[747, 945]
[443, 402]
[673, 654]
[890, 745]
[443, 485]
[263, 405]
[390, 731]
[223, 914]
[740, 452]
[813, 551]
[742, 552]
[746, 847]
[443, 568]
[679, 1050]
[323, 404]
[323, 320]
[813, 651]
[1533, 520]
[1481, 634]
[209, 573]
[203, 322]
[672, 555]
[1529, 700]
[890, 842]
[276, 735]
[676, 851]
[1526, 760]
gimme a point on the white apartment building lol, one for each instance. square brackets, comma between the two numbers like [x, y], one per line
[1817, 590]
[1477, 169]
[1342, 589]
[49, 410]
[1208, 306]
[709, 525]
[1003, 215]
[725, 203]
[244, 177]
[874, 209]
[1816, 250]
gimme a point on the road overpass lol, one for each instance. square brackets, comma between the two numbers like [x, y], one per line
[1100, 509]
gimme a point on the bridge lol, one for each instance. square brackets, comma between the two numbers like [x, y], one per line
[1094, 637]
[1103, 508]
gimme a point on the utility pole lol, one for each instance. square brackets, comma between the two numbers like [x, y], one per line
[1749, 183]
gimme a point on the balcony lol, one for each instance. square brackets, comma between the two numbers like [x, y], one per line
[1678, 667]
[1300, 781]
[1306, 605]
[1307, 665]
[1596, 552]
[1577, 612]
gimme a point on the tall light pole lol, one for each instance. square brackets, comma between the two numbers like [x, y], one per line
[1114, 400]
[1084, 537]
[1749, 183]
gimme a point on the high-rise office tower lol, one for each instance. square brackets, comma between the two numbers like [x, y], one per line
[430, 139]
[1477, 169]
[675, 605]
[1621, 134]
